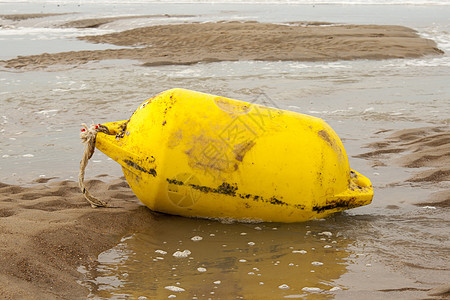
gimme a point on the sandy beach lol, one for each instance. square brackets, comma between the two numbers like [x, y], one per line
[47, 229]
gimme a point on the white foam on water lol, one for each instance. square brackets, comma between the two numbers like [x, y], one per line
[442, 61]
[300, 251]
[196, 238]
[284, 287]
[174, 288]
[125, 237]
[327, 233]
[429, 207]
[182, 254]
[311, 289]
[317, 263]
[46, 111]
[43, 33]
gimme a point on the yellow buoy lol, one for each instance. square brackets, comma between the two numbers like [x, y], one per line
[193, 154]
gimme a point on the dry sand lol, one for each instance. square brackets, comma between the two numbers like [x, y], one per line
[230, 41]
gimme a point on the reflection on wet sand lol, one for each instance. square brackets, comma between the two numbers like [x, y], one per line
[200, 258]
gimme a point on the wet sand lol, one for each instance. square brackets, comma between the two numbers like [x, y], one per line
[19, 17]
[418, 148]
[48, 230]
[421, 148]
[232, 41]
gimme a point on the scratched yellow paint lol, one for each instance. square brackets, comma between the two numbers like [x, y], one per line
[193, 154]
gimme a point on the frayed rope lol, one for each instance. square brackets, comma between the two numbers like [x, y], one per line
[88, 136]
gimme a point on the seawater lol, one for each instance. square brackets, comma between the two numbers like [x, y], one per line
[42, 111]
[390, 248]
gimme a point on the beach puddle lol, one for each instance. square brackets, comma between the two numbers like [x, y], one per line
[200, 259]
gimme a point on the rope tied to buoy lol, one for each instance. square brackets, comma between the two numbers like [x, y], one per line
[88, 136]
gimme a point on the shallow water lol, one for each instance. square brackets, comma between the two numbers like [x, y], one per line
[203, 258]
[341, 257]
[45, 109]
[390, 245]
